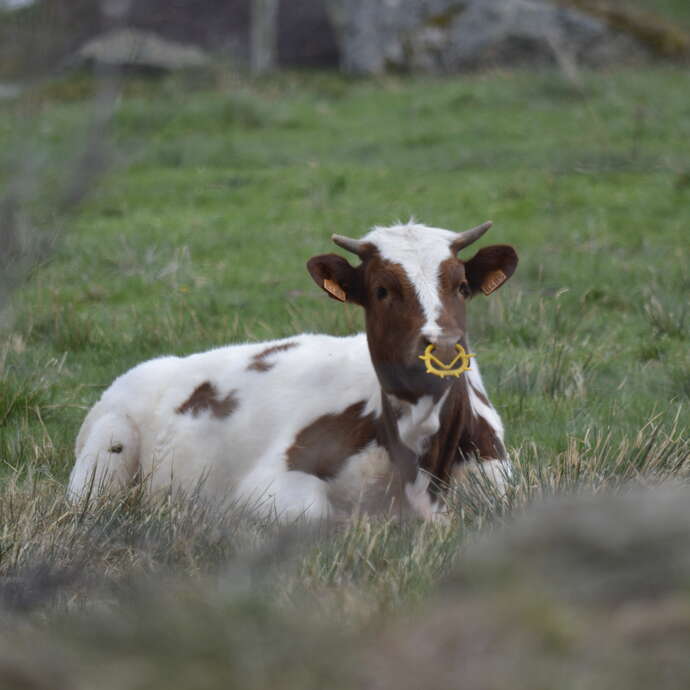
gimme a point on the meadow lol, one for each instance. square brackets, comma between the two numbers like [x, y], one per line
[210, 196]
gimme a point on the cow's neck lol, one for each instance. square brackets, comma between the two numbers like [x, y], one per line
[418, 422]
[407, 430]
[425, 434]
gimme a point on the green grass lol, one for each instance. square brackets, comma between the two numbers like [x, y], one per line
[199, 233]
[197, 236]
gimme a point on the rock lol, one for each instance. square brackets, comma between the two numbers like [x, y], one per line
[581, 592]
[15, 4]
[458, 35]
[141, 49]
[599, 550]
[365, 36]
[496, 32]
[9, 92]
[371, 35]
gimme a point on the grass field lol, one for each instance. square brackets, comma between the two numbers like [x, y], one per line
[197, 234]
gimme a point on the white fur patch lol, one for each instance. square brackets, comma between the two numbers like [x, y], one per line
[286, 496]
[417, 494]
[364, 484]
[479, 407]
[419, 250]
[419, 421]
[498, 472]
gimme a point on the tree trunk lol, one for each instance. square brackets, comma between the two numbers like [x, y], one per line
[264, 19]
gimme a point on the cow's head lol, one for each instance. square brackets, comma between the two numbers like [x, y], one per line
[413, 288]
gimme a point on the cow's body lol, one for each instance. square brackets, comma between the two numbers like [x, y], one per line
[299, 426]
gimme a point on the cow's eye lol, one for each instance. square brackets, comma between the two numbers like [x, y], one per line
[382, 293]
[464, 289]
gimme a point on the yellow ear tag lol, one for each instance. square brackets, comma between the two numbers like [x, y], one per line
[493, 281]
[436, 367]
[334, 289]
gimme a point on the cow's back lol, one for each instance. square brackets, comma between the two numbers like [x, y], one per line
[221, 416]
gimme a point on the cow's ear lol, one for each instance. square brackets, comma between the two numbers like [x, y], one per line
[334, 274]
[490, 267]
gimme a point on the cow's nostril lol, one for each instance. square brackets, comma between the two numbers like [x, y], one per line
[445, 350]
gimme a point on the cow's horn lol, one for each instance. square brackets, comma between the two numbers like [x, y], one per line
[354, 246]
[466, 238]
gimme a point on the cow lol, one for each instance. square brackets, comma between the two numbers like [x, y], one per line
[315, 425]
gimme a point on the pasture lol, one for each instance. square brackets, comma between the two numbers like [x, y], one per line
[196, 233]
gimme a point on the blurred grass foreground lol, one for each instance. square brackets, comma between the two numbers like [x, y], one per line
[173, 211]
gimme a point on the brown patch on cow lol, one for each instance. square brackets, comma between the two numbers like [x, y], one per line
[323, 447]
[259, 362]
[393, 325]
[442, 454]
[205, 397]
[462, 436]
[451, 278]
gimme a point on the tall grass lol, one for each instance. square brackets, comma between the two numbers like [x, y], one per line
[105, 541]
[136, 592]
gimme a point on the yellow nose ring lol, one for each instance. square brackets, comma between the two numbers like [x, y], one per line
[436, 367]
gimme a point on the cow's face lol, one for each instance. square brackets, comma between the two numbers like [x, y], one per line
[413, 289]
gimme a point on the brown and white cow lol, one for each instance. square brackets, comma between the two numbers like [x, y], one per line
[316, 425]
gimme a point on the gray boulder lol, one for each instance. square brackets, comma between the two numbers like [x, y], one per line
[9, 92]
[457, 35]
[582, 592]
[141, 49]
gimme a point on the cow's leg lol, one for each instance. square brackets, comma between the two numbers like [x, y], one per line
[286, 495]
[498, 472]
[481, 447]
[107, 454]
[482, 452]
[421, 502]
